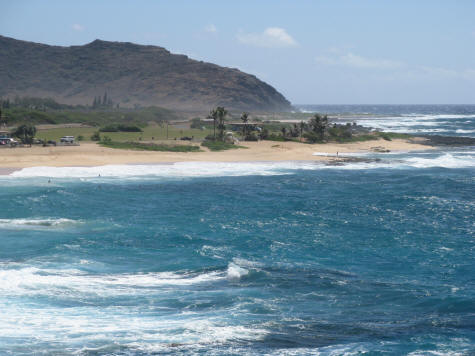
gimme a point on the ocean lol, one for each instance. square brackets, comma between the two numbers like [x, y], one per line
[285, 258]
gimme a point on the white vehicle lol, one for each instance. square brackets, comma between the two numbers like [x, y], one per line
[8, 141]
[67, 139]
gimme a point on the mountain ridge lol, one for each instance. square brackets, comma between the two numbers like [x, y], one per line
[131, 74]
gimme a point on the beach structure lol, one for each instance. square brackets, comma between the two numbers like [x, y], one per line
[4, 134]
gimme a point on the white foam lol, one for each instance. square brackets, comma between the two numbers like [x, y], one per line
[464, 131]
[413, 123]
[34, 281]
[180, 170]
[91, 326]
[35, 223]
[342, 154]
[235, 272]
[444, 161]
[175, 170]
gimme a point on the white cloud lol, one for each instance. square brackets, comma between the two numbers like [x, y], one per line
[356, 61]
[469, 74]
[326, 60]
[439, 72]
[211, 28]
[391, 69]
[272, 37]
[77, 27]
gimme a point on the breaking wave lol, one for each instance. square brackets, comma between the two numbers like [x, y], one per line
[36, 223]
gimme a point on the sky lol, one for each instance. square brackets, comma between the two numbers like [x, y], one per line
[313, 52]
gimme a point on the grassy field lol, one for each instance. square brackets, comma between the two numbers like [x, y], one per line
[152, 132]
[156, 132]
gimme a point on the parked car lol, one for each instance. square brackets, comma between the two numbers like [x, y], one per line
[8, 141]
[67, 139]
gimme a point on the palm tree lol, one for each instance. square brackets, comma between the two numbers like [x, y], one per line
[214, 116]
[302, 126]
[245, 120]
[221, 114]
[319, 124]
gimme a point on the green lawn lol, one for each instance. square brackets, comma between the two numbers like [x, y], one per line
[154, 131]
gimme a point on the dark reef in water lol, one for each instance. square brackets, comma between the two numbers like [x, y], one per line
[341, 161]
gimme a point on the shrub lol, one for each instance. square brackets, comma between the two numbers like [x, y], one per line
[312, 137]
[139, 146]
[80, 138]
[220, 145]
[264, 134]
[251, 137]
[109, 128]
[129, 128]
[274, 137]
[96, 136]
[120, 128]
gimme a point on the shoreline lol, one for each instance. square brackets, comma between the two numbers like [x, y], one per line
[92, 154]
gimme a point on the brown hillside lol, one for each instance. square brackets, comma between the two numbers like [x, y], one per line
[131, 74]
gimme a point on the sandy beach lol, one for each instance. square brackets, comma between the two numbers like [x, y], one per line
[91, 154]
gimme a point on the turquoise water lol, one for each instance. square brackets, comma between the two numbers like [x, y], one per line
[286, 258]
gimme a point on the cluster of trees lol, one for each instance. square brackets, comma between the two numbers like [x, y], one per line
[247, 133]
[26, 133]
[103, 102]
[218, 116]
[318, 129]
[41, 104]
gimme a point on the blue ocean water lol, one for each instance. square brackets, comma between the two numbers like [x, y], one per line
[289, 258]
[453, 120]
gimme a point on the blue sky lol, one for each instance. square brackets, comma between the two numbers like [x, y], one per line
[314, 52]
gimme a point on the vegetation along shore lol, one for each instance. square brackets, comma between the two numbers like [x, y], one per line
[155, 135]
